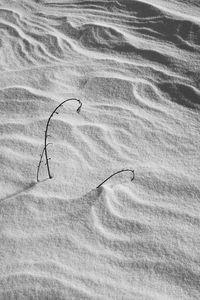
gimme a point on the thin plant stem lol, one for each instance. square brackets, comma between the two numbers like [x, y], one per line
[41, 156]
[124, 170]
[47, 126]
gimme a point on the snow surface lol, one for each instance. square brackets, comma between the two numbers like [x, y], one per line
[135, 65]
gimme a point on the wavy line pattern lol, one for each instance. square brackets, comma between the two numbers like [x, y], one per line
[135, 66]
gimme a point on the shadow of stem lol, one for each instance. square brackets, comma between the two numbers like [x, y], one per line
[25, 189]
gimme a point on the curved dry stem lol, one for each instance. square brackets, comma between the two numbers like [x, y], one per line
[47, 126]
[123, 170]
[38, 168]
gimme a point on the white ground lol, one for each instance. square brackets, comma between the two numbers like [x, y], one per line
[135, 67]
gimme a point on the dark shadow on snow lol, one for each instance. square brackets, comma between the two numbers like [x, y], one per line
[25, 189]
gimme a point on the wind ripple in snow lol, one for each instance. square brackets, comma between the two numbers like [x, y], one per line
[88, 246]
[135, 66]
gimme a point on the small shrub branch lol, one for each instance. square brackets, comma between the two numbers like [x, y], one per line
[41, 156]
[44, 151]
[123, 170]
